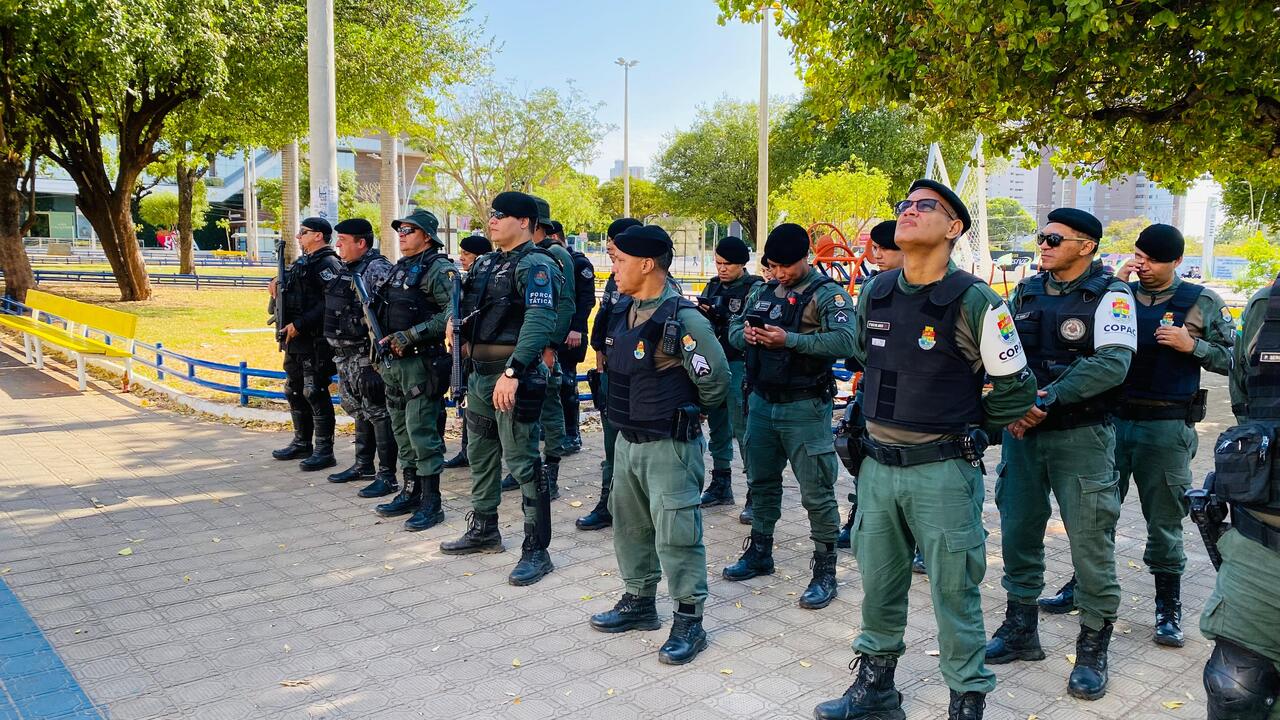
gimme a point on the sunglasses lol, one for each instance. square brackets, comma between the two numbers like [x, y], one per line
[923, 205]
[1053, 240]
[406, 230]
[498, 214]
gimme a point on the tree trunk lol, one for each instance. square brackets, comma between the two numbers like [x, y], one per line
[389, 195]
[111, 216]
[186, 237]
[18, 277]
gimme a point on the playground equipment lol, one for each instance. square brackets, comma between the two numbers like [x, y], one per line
[835, 257]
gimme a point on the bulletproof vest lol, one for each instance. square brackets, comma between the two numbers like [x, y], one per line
[305, 280]
[727, 302]
[916, 378]
[1158, 372]
[1057, 329]
[343, 315]
[403, 302]
[1262, 376]
[499, 305]
[641, 398]
[784, 370]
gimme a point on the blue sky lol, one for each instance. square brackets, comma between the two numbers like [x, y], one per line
[686, 60]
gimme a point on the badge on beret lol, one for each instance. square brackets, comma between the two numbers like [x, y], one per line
[639, 351]
[928, 338]
[1073, 329]
[735, 305]
[701, 367]
[775, 312]
[688, 343]
[327, 275]
[1167, 320]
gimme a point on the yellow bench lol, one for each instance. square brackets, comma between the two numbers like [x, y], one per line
[73, 338]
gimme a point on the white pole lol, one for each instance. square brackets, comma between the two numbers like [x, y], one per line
[250, 195]
[626, 132]
[321, 95]
[762, 157]
[289, 190]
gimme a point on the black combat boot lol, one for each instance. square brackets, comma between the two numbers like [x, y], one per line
[844, 539]
[430, 511]
[917, 563]
[746, 517]
[686, 640]
[872, 696]
[1063, 602]
[408, 499]
[460, 460]
[482, 536]
[322, 456]
[1089, 678]
[966, 706]
[535, 561]
[633, 612]
[509, 483]
[599, 518]
[364, 444]
[384, 482]
[572, 415]
[300, 446]
[551, 468]
[720, 491]
[822, 588]
[756, 560]
[1169, 610]
[1018, 637]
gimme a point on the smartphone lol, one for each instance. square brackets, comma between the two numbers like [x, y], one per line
[755, 321]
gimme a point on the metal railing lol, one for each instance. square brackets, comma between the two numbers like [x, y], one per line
[99, 277]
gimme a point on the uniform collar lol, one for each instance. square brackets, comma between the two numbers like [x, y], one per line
[1095, 268]
[1168, 290]
[667, 294]
[911, 289]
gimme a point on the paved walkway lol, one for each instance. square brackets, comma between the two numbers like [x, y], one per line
[178, 571]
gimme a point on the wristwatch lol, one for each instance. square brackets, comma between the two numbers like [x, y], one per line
[509, 372]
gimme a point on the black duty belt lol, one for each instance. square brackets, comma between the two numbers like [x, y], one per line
[908, 455]
[1255, 529]
[1136, 411]
[1067, 418]
[635, 437]
[778, 397]
[488, 367]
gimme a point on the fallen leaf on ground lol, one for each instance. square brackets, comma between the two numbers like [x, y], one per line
[738, 604]
[606, 573]
[387, 567]
[126, 552]
[6, 571]
[515, 700]
[281, 546]
[96, 502]
[726, 671]
[186, 578]
[515, 662]
[217, 540]
[1172, 704]
[585, 597]
[1071, 659]
[287, 648]
[78, 632]
[932, 653]
[1133, 564]
[294, 683]
[1033, 716]
[609, 692]
[467, 574]
[576, 504]
[805, 664]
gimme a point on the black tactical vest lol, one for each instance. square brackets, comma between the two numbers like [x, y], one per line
[726, 302]
[643, 399]
[305, 281]
[1057, 329]
[343, 316]
[499, 305]
[916, 378]
[782, 370]
[403, 302]
[1262, 376]
[1158, 372]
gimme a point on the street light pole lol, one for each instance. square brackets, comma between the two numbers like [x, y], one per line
[762, 151]
[322, 107]
[626, 132]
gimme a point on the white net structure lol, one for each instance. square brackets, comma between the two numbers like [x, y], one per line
[973, 250]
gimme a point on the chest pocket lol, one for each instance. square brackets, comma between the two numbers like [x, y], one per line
[1028, 324]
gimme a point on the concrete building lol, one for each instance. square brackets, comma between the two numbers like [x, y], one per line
[637, 171]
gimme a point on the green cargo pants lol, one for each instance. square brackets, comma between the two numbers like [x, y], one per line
[610, 437]
[657, 521]
[1245, 607]
[494, 437]
[937, 506]
[552, 420]
[1158, 455]
[413, 419]
[727, 422]
[1078, 466]
[798, 432]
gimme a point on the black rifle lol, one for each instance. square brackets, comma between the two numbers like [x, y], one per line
[380, 351]
[457, 389]
[276, 305]
[1209, 513]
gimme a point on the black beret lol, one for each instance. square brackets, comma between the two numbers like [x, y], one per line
[1078, 220]
[557, 228]
[788, 244]
[476, 244]
[424, 221]
[516, 204]
[617, 227]
[952, 199]
[318, 224]
[354, 226]
[643, 241]
[1162, 243]
[734, 250]
[544, 210]
[882, 235]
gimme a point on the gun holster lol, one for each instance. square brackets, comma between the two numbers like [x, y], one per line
[687, 423]
[530, 393]
[597, 392]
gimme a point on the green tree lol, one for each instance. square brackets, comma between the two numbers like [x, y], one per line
[1256, 203]
[161, 209]
[271, 197]
[848, 199]
[575, 200]
[646, 199]
[1172, 89]
[1264, 263]
[491, 140]
[1120, 235]
[1007, 221]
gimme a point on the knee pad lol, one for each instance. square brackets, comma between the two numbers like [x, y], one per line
[1240, 684]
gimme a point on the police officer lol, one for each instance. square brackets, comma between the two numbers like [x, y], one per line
[362, 389]
[509, 309]
[1242, 677]
[1077, 321]
[599, 517]
[574, 349]
[724, 296]
[1182, 327]
[792, 328]
[413, 310]
[666, 369]
[308, 359]
[928, 336]
[470, 248]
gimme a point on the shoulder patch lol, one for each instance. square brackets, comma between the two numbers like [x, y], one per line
[587, 273]
[1226, 315]
[701, 367]
[1113, 321]
[840, 317]
[327, 275]
[999, 344]
[839, 300]
[688, 343]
